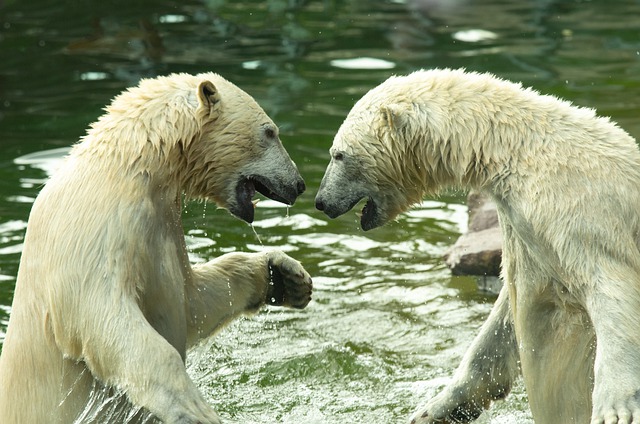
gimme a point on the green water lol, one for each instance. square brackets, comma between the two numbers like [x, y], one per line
[388, 323]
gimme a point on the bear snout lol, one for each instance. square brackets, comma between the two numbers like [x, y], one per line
[330, 208]
[301, 186]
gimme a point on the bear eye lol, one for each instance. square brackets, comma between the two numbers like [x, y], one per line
[269, 132]
[338, 156]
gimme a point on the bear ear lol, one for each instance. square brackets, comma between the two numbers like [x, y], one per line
[396, 115]
[208, 97]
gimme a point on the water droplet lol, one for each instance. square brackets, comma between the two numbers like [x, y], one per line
[256, 233]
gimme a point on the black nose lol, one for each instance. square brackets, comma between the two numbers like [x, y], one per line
[301, 187]
[319, 204]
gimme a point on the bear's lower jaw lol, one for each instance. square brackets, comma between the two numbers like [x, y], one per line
[243, 206]
[370, 217]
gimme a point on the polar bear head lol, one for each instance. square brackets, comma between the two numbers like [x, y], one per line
[204, 135]
[238, 151]
[416, 134]
[373, 158]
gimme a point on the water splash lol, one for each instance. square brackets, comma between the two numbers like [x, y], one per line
[106, 404]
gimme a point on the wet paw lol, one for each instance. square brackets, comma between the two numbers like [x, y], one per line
[607, 411]
[188, 420]
[463, 413]
[289, 283]
[457, 406]
[195, 414]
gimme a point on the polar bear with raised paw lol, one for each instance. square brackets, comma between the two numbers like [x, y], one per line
[106, 302]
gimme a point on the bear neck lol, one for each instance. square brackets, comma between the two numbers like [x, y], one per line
[480, 150]
[137, 153]
[472, 130]
[478, 159]
[133, 174]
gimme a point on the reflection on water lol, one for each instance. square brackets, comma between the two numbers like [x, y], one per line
[388, 323]
[47, 160]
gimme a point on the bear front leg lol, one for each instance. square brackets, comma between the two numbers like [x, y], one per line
[613, 309]
[240, 283]
[485, 374]
[170, 394]
[122, 350]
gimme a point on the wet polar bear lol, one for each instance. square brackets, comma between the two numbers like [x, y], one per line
[106, 302]
[567, 186]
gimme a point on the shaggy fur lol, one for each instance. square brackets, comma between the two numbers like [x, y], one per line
[106, 302]
[567, 186]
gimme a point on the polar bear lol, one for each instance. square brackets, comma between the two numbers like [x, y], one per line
[567, 187]
[106, 302]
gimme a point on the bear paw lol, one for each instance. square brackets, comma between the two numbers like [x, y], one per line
[608, 411]
[193, 414]
[457, 405]
[289, 284]
[191, 420]
[187, 408]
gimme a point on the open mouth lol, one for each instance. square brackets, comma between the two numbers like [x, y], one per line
[369, 217]
[247, 188]
[263, 187]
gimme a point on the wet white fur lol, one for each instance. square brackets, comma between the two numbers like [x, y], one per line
[106, 301]
[567, 186]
